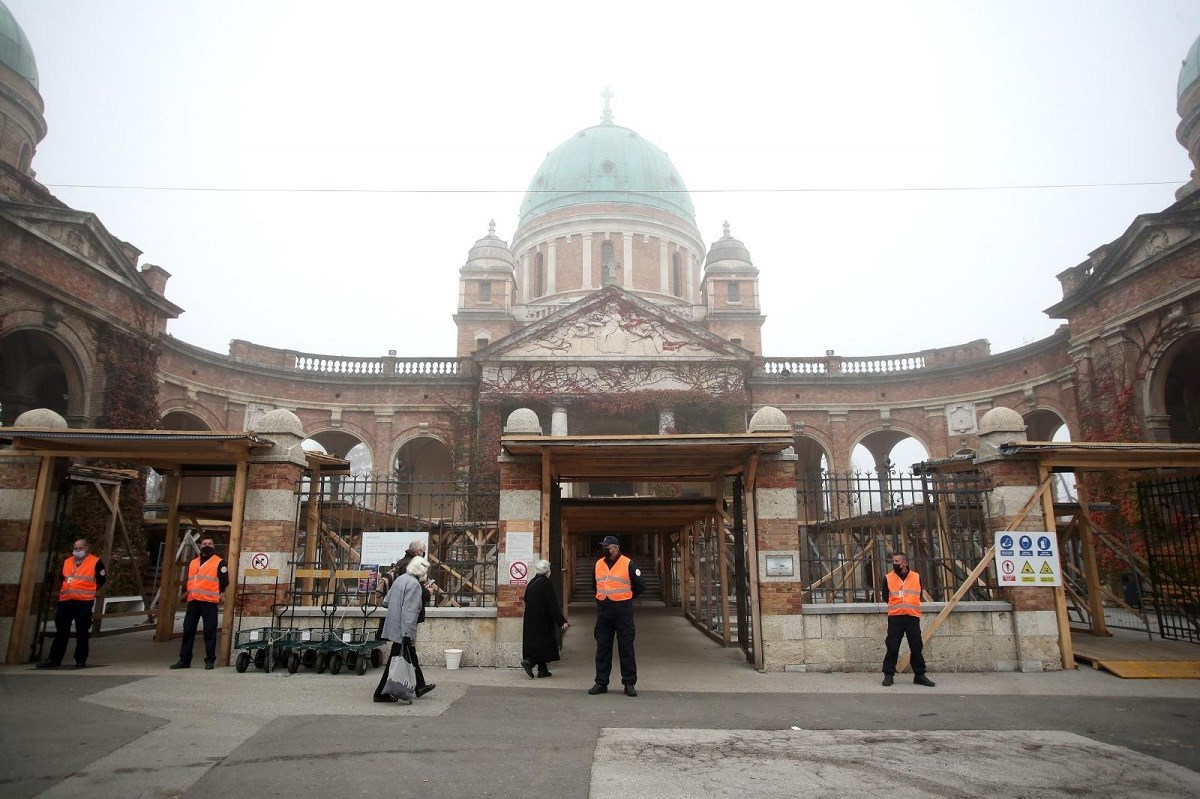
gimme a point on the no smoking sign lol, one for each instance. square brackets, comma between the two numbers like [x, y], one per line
[518, 570]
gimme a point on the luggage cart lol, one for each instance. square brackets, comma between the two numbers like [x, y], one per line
[313, 645]
[356, 646]
[264, 646]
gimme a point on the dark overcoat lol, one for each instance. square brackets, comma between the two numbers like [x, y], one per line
[543, 620]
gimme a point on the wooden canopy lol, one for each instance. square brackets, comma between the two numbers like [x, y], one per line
[1100, 455]
[679, 458]
[165, 448]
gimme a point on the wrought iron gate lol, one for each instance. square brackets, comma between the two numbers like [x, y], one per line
[1170, 511]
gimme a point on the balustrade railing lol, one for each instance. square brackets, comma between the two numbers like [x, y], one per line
[838, 364]
[385, 366]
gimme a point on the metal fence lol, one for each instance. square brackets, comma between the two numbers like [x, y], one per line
[850, 523]
[1170, 509]
[459, 518]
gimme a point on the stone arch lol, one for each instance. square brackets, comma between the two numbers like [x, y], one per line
[810, 451]
[881, 443]
[1172, 399]
[195, 488]
[185, 419]
[1042, 424]
[423, 457]
[40, 369]
[342, 443]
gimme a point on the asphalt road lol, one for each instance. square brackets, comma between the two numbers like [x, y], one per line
[222, 734]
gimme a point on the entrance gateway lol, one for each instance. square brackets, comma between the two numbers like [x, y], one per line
[698, 531]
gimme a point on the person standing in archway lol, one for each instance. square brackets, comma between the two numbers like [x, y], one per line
[618, 581]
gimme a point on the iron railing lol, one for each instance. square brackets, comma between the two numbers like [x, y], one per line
[1170, 509]
[850, 524]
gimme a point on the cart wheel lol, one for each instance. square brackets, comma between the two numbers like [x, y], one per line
[335, 663]
[376, 658]
[360, 665]
[293, 664]
[309, 659]
[243, 662]
[260, 659]
[351, 659]
[322, 662]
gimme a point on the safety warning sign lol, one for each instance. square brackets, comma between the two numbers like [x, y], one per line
[518, 570]
[1028, 559]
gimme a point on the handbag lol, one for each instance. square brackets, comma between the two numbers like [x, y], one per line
[402, 676]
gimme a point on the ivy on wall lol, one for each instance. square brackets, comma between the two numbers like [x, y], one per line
[129, 402]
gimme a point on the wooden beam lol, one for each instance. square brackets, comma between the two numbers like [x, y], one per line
[18, 639]
[314, 530]
[106, 549]
[1066, 648]
[1088, 550]
[168, 583]
[225, 645]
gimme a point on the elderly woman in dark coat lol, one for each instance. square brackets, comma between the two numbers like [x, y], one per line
[543, 620]
[404, 602]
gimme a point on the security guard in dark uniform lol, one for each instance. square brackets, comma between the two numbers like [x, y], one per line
[83, 576]
[618, 581]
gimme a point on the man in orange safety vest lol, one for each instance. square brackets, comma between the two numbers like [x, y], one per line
[208, 577]
[904, 620]
[618, 581]
[83, 576]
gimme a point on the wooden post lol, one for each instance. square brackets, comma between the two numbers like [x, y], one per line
[233, 560]
[1090, 570]
[752, 558]
[1066, 647]
[544, 535]
[314, 532]
[168, 590]
[29, 566]
[114, 506]
[723, 583]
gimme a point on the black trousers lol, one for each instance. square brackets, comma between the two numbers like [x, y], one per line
[615, 618]
[79, 613]
[398, 649]
[901, 627]
[197, 610]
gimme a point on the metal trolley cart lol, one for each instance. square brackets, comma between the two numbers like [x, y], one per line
[263, 646]
[333, 645]
[357, 646]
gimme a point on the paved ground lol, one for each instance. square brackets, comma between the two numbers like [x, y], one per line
[704, 725]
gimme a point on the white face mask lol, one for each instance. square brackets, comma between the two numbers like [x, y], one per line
[79, 553]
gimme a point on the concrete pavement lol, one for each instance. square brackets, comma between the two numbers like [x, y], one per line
[705, 723]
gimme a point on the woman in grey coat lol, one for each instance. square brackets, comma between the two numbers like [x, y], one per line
[403, 603]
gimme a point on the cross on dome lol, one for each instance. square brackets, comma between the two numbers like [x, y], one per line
[492, 228]
[726, 230]
[607, 118]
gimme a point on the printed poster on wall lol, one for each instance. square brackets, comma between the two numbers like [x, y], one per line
[382, 548]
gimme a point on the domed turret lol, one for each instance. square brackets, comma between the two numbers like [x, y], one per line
[485, 293]
[490, 252]
[1188, 105]
[730, 289]
[22, 125]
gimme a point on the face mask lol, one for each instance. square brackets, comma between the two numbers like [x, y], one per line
[207, 551]
[897, 569]
[79, 553]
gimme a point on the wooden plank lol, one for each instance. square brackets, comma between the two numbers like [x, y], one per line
[106, 556]
[225, 645]
[313, 531]
[1060, 594]
[1088, 551]
[18, 638]
[168, 580]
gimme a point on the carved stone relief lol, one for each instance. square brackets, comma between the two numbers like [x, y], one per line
[961, 419]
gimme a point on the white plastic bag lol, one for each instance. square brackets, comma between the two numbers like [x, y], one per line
[402, 676]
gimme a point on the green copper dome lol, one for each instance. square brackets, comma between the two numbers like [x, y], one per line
[15, 52]
[607, 163]
[1190, 72]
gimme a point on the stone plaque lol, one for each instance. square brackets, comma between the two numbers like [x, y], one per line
[780, 566]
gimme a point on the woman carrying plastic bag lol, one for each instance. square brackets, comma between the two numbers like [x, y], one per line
[402, 679]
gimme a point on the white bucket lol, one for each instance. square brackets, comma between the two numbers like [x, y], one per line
[453, 658]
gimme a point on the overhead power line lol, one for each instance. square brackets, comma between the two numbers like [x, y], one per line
[778, 190]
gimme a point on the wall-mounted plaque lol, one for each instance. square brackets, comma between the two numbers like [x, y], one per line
[780, 566]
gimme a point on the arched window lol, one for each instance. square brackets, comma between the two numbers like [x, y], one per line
[24, 158]
[676, 276]
[539, 275]
[608, 265]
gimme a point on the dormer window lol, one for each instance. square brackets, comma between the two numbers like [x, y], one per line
[735, 293]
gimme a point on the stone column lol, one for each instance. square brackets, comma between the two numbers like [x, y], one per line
[520, 512]
[586, 249]
[558, 421]
[1029, 641]
[627, 255]
[552, 267]
[26, 517]
[779, 596]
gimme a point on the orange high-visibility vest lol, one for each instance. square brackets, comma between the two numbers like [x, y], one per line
[904, 596]
[79, 582]
[203, 583]
[613, 583]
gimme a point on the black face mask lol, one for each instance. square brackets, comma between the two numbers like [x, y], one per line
[898, 569]
[207, 551]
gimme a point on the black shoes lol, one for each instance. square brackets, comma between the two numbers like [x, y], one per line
[424, 689]
[544, 673]
[528, 666]
[208, 666]
[598, 689]
[47, 664]
[887, 680]
[181, 665]
[630, 690]
[921, 679]
[81, 665]
[385, 698]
